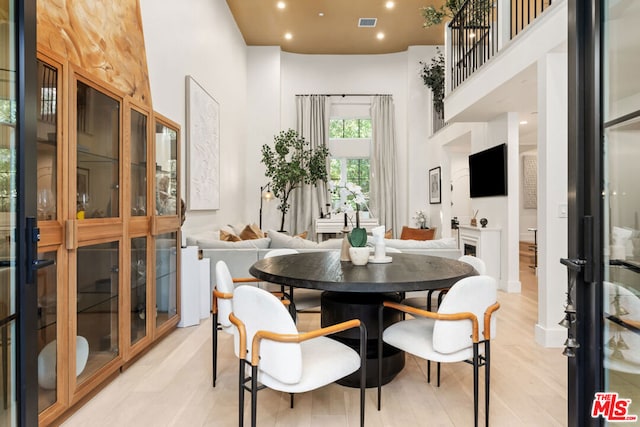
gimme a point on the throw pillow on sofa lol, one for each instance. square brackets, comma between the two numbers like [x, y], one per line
[409, 233]
[444, 243]
[281, 240]
[229, 237]
[250, 232]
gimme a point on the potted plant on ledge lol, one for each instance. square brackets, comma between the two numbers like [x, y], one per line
[291, 163]
[433, 77]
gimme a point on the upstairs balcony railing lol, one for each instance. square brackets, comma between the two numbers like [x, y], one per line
[473, 38]
[524, 12]
[482, 27]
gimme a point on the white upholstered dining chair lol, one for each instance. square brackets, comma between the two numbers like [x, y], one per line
[302, 300]
[461, 330]
[222, 306]
[283, 359]
[425, 302]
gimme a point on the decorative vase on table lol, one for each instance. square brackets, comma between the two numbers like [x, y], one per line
[359, 255]
[359, 251]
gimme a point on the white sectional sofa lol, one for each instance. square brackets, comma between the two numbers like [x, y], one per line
[240, 256]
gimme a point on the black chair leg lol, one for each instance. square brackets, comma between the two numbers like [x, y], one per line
[438, 374]
[5, 368]
[441, 296]
[291, 400]
[428, 371]
[241, 393]
[292, 305]
[380, 322]
[214, 347]
[429, 295]
[363, 369]
[487, 369]
[476, 362]
[254, 395]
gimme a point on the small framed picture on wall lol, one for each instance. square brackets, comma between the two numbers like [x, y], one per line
[434, 186]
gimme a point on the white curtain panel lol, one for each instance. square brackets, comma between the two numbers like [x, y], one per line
[383, 162]
[313, 124]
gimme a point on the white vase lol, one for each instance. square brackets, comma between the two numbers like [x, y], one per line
[359, 255]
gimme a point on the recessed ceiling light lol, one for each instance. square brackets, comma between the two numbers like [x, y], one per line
[390, 5]
[288, 36]
[380, 36]
[281, 5]
[321, 14]
[524, 122]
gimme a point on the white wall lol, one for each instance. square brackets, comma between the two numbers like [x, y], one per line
[552, 195]
[257, 85]
[502, 212]
[395, 74]
[263, 97]
[460, 199]
[419, 105]
[202, 40]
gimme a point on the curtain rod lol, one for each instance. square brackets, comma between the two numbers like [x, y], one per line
[346, 94]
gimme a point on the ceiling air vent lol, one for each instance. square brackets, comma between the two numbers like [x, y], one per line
[367, 22]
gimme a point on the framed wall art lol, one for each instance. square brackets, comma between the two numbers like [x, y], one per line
[434, 186]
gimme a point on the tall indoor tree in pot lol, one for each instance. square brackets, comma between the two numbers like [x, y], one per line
[290, 163]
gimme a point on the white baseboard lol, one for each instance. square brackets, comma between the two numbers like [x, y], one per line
[550, 337]
[511, 286]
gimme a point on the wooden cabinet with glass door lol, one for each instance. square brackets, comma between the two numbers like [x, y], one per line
[96, 248]
[166, 223]
[106, 225]
[137, 321]
[52, 311]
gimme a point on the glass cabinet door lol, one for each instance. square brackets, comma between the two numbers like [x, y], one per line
[138, 289]
[96, 307]
[48, 368]
[165, 223]
[98, 155]
[166, 277]
[47, 141]
[166, 179]
[138, 163]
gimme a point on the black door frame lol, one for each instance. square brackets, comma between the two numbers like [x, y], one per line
[585, 207]
[26, 122]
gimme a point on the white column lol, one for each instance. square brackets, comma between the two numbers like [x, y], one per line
[511, 241]
[552, 198]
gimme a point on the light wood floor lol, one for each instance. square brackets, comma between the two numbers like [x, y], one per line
[171, 385]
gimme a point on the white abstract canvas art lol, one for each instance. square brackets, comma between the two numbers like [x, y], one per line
[203, 143]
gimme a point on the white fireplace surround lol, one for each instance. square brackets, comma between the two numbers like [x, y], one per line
[487, 246]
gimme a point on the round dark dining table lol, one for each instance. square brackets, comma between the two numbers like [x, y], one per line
[352, 291]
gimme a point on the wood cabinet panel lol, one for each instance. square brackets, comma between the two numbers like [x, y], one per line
[105, 286]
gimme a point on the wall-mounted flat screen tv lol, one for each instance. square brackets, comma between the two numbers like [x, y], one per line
[488, 172]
